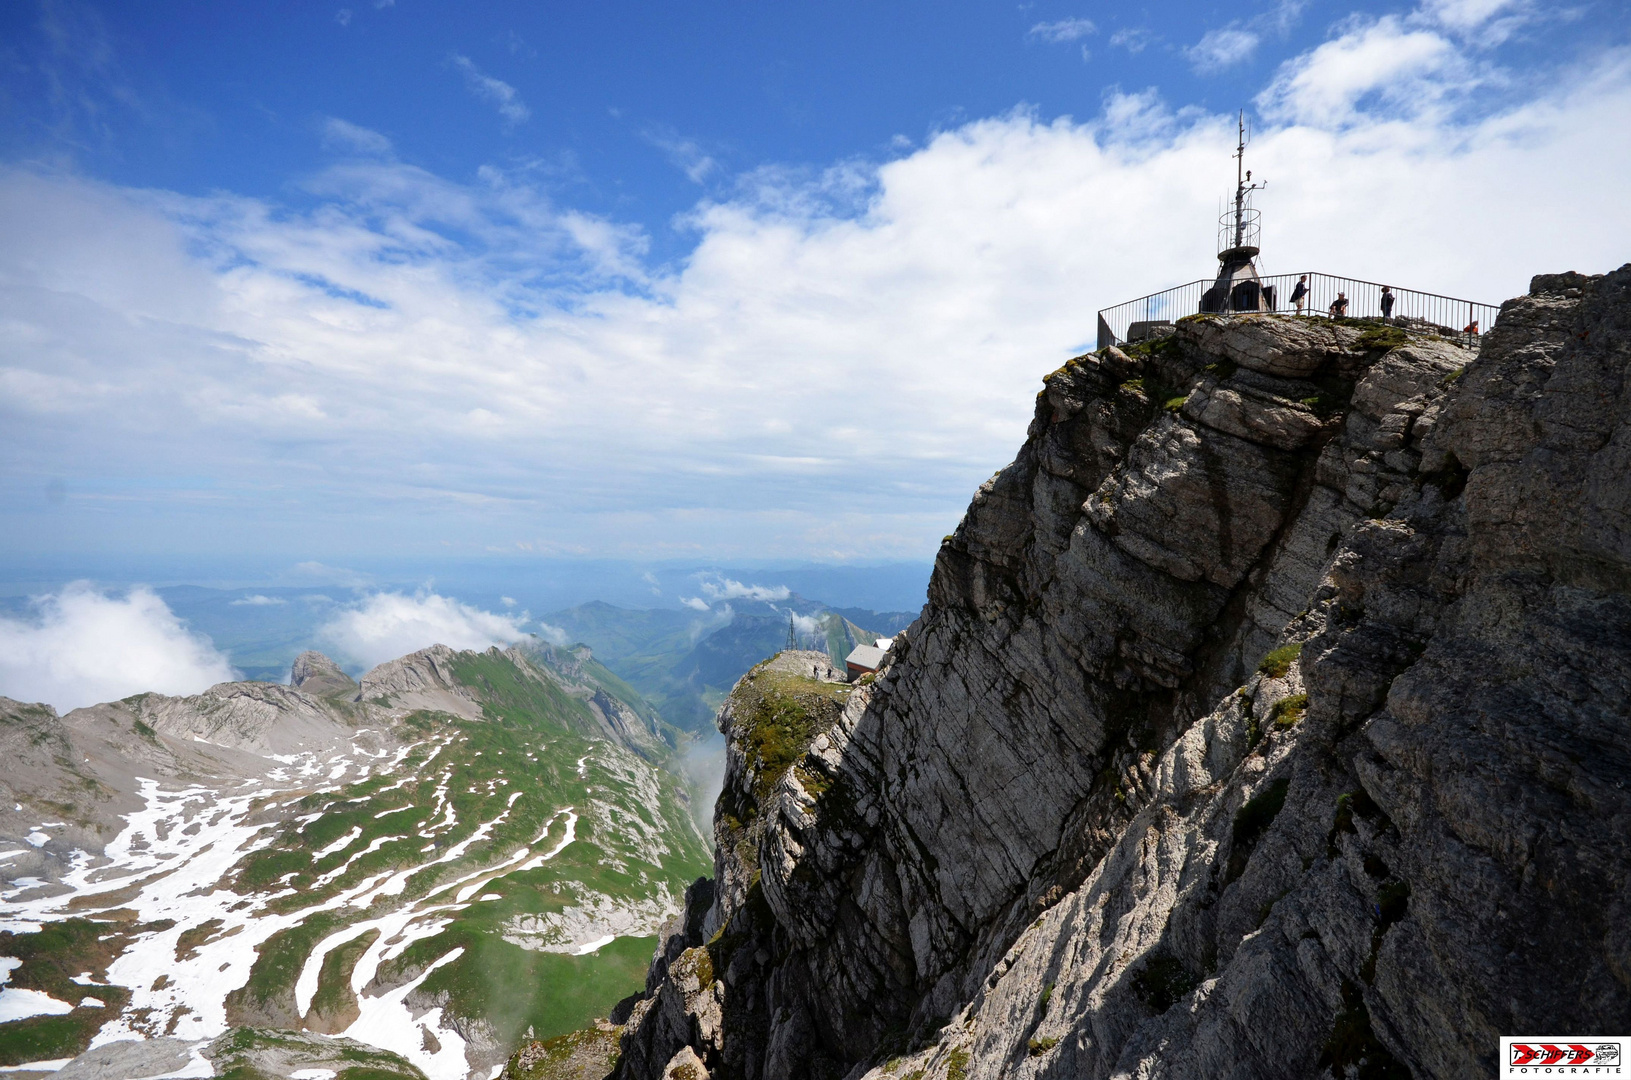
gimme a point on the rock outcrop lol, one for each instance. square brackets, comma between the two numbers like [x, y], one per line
[317, 674]
[1269, 717]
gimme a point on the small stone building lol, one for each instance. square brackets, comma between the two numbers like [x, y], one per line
[863, 659]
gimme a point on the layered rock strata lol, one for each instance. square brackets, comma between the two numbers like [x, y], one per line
[1269, 717]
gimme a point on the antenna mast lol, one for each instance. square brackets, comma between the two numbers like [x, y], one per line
[1241, 184]
[792, 643]
[1238, 287]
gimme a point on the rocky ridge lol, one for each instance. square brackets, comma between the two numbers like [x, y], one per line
[424, 861]
[1268, 718]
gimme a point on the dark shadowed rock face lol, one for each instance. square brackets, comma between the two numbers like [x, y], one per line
[1269, 717]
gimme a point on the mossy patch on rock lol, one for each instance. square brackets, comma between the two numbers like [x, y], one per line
[774, 717]
[1288, 710]
[589, 1054]
[1277, 663]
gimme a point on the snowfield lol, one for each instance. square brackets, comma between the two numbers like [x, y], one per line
[229, 894]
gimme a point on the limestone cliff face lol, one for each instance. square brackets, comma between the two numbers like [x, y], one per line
[1269, 717]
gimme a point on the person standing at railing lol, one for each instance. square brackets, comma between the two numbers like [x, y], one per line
[1339, 306]
[1299, 295]
[1387, 302]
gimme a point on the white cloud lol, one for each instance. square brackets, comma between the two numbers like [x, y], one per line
[1064, 30]
[1135, 39]
[555, 635]
[1483, 22]
[258, 600]
[385, 626]
[1282, 17]
[1222, 48]
[507, 601]
[85, 647]
[504, 97]
[343, 135]
[806, 625]
[837, 362]
[1408, 71]
[343, 16]
[696, 603]
[726, 589]
[686, 154]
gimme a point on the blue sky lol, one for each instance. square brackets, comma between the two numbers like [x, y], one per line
[433, 281]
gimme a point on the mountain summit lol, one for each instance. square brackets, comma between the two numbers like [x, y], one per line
[1267, 719]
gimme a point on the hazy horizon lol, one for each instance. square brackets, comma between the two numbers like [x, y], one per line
[80, 639]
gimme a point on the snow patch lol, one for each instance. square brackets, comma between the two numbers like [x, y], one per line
[339, 845]
[19, 1004]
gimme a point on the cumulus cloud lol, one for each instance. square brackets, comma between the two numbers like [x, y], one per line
[84, 646]
[806, 625]
[504, 97]
[388, 625]
[258, 600]
[1064, 30]
[727, 589]
[695, 603]
[837, 362]
[1387, 61]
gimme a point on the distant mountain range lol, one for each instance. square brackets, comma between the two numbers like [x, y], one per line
[682, 661]
[405, 874]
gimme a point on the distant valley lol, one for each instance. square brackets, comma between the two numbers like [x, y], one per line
[411, 869]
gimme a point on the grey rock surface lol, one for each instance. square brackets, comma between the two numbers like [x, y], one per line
[131, 1059]
[281, 1055]
[1269, 717]
[317, 674]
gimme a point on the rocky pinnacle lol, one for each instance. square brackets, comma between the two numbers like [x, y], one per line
[1270, 717]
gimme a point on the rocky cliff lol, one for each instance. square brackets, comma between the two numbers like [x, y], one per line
[1269, 717]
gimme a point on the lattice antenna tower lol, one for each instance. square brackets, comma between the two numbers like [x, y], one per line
[792, 642]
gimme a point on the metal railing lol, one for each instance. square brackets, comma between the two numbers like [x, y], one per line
[1421, 312]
